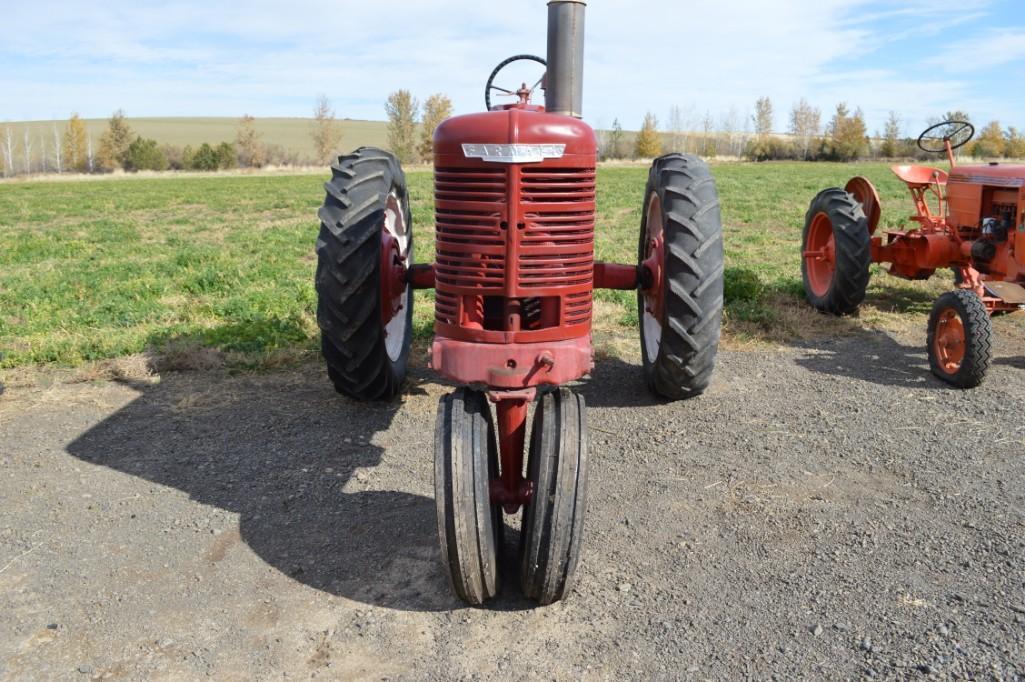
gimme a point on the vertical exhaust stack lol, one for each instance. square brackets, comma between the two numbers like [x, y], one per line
[565, 88]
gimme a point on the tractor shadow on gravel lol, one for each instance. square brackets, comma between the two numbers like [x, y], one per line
[295, 462]
[871, 356]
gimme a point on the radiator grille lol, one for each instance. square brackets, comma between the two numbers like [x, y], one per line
[557, 246]
[469, 204]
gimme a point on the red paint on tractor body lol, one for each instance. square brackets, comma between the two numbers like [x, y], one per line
[514, 267]
[514, 246]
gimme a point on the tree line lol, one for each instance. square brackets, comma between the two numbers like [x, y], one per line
[411, 127]
[844, 137]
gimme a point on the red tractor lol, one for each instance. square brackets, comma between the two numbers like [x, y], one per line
[968, 219]
[514, 201]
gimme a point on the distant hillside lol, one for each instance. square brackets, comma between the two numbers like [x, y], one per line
[291, 133]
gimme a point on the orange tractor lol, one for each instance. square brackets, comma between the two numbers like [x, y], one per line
[513, 279]
[969, 219]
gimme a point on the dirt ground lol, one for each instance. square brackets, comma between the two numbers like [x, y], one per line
[824, 511]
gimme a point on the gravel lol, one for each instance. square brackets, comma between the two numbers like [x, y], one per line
[828, 510]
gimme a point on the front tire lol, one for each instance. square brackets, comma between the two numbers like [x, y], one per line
[469, 525]
[365, 215]
[553, 519]
[681, 311]
[960, 339]
[836, 252]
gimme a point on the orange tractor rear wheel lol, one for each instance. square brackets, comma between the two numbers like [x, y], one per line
[960, 339]
[835, 252]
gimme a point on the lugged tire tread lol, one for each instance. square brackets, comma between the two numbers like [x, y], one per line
[348, 275]
[853, 251]
[694, 277]
[978, 338]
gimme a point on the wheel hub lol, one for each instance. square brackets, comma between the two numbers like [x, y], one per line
[949, 342]
[393, 285]
[654, 278]
[820, 255]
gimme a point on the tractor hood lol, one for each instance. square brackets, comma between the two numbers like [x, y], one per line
[995, 174]
[514, 135]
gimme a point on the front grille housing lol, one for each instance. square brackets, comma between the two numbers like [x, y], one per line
[514, 251]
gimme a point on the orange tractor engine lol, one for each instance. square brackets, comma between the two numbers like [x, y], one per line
[968, 219]
[514, 276]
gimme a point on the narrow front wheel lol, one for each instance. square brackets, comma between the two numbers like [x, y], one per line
[960, 339]
[553, 520]
[469, 526]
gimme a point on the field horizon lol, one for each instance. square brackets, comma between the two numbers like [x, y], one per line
[291, 133]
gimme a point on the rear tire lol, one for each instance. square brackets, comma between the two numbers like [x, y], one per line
[469, 525]
[367, 187]
[680, 337]
[553, 520]
[960, 339]
[835, 223]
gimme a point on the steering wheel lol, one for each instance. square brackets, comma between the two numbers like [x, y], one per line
[491, 79]
[935, 138]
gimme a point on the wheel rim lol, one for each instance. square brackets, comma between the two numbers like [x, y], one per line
[654, 296]
[394, 289]
[949, 341]
[820, 255]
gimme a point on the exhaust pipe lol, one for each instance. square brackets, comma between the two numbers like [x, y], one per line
[565, 87]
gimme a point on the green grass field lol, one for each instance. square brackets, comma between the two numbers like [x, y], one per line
[290, 133]
[102, 269]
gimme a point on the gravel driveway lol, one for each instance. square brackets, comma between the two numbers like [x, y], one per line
[823, 511]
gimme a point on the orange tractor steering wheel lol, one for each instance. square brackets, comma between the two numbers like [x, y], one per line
[934, 139]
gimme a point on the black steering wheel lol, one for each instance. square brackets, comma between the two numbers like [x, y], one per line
[935, 138]
[491, 79]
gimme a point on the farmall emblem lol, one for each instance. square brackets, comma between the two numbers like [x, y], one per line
[514, 153]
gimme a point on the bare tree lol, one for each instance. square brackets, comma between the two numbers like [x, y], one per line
[708, 145]
[675, 128]
[57, 155]
[9, 168]
[327, 136]
[763, 117]
[251, 152]
[42, 153]
[728, 125]
[90, 161]
[27, 150]
[615, 148]
[805, 124]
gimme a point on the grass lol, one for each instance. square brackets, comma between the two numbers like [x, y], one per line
[197, 266]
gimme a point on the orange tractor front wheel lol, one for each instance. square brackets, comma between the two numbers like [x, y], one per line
[960, 339]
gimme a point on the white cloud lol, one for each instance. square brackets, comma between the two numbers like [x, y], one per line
[995, 47]
[268, 58]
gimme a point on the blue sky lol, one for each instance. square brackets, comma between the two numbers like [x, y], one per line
[189, 58]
